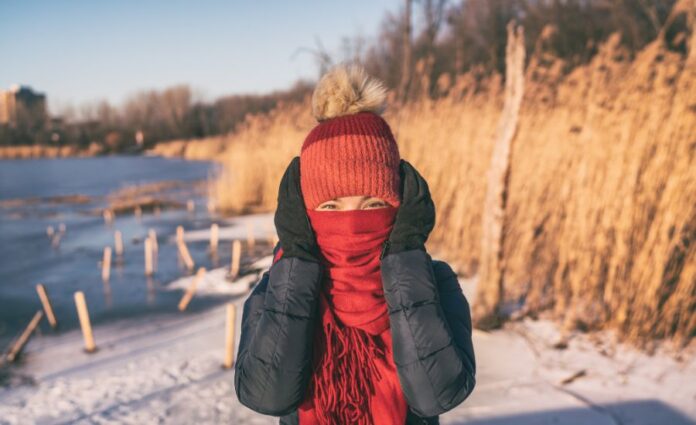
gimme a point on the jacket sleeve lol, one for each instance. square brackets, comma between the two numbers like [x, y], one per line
[274, 357]
[431, 331]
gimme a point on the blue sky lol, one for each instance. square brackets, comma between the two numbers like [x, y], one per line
[82, 51]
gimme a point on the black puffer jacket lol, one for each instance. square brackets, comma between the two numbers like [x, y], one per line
[430, 326]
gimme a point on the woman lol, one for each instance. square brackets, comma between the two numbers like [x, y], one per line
[354, 323]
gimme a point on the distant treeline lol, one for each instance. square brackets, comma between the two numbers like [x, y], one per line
[157, 115]
[423, 44]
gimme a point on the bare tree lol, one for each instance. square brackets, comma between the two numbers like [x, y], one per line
[407, 58]
[353, 48]
[433, 14]
[321, 56]
[492, 269]
[175, 103]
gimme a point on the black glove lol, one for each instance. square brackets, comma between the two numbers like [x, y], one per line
[294, 230]
[415, 217]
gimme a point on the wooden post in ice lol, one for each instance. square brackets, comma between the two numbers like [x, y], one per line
[53, 236]
[83, 315]
[55, 240]
[118, 243]
[179, 234]
[185, 255]
[236, 256]
[108, 217]
[47, 307]
[106, 264]
[251, 241]
[183, 250]
[191, 290]
[148, 257]
[229, 336]
[152, 235]
[214, 230]
[24, 338]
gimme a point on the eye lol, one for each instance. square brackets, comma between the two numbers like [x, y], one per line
[375, 204]
[327, 206]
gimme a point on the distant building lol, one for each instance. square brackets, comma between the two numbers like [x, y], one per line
[20, 106]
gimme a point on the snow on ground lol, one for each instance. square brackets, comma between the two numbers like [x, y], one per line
[261, 226]
[520, 381]
[167, 369]
[215, 282]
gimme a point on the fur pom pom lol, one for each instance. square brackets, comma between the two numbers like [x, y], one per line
[347, 90]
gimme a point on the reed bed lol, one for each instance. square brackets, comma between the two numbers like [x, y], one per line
[256, 156]
[602, 196]
[209, 148]
[601, 203]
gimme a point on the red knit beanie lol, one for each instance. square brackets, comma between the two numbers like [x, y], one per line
[352, 151]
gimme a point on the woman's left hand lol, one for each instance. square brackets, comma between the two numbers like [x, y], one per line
[415, 217]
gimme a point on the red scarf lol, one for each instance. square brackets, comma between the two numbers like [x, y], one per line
[354, 378]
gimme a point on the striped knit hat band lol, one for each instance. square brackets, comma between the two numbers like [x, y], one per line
[350, 155]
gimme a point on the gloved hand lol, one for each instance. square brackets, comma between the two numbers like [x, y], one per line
[294, 230]
[415, 217]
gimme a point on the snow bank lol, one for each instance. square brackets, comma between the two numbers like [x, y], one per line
[215, 282]
[237, 228]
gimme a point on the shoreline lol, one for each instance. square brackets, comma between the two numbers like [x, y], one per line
[45, 151]
[203, 149]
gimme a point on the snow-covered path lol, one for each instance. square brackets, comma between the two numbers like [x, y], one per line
[167, 369]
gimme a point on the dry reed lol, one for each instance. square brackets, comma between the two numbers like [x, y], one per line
[256, 156]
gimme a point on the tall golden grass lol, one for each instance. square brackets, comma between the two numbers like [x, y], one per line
[601, 209]
[200, 149]
[256, 156]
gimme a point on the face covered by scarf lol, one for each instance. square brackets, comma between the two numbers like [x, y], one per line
[354, 379]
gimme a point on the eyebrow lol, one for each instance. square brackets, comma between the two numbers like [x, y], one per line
[364, 197]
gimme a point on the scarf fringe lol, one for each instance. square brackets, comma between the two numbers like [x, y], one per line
[344, 375]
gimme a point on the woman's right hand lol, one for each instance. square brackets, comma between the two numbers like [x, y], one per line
[294, 230]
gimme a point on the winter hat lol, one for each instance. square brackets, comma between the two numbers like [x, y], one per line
[352, 150]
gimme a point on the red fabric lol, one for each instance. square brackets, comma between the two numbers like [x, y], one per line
[350, 155]
[278, 254]
[354, 379]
